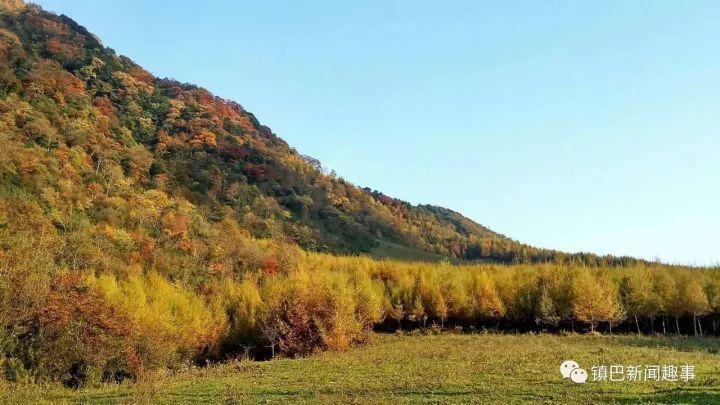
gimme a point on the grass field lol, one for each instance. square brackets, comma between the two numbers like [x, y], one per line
[450, 368]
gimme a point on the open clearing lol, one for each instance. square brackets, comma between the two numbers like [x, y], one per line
[450, 368]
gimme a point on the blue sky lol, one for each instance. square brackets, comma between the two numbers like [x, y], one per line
[581, 126]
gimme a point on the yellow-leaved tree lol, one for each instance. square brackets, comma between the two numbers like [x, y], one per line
[596, 300]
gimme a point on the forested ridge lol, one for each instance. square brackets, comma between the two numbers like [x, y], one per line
[145, 223]
[86, 128]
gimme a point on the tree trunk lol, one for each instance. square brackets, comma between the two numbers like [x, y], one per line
[652, 324]
[572, 325]
[664, 330]
[677, 325]
[694, 324]
[592, 327]
[700, 326]
[637, 324]
[610, 325]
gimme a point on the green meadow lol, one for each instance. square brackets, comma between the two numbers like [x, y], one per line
[415, 367]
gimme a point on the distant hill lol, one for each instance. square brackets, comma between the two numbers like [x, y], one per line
[94, 144]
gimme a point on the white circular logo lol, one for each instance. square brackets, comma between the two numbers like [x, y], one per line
[579, 376]
[567, 367]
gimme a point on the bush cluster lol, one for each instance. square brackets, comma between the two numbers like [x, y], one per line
[80, 325]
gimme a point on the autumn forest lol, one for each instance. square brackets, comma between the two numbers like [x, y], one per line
[146, 224]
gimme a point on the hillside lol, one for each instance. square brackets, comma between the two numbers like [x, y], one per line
[147, 226]
[88, 133]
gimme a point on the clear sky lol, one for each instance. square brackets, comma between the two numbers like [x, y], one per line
[575, 125]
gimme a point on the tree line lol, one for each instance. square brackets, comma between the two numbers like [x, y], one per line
[80, 326]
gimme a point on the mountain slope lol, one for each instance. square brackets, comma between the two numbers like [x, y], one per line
[92, 141]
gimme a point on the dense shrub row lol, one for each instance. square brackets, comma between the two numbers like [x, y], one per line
[647, 299]
[79, 326]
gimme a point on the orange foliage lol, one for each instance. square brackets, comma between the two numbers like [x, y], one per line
[103, 126]
[105, 106]
[146, 247]
[219, 270]
[167, 142]
[57, 82]
[141, 75]
[175, 225]
[12, 5]
[62, 152]
[52, 27]
[185, 246]
[79, 316]
[246, 124]
[72, 85]
[203, 138]
[29, 163]
[270, 265]
[8, 40]
[62, 49]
